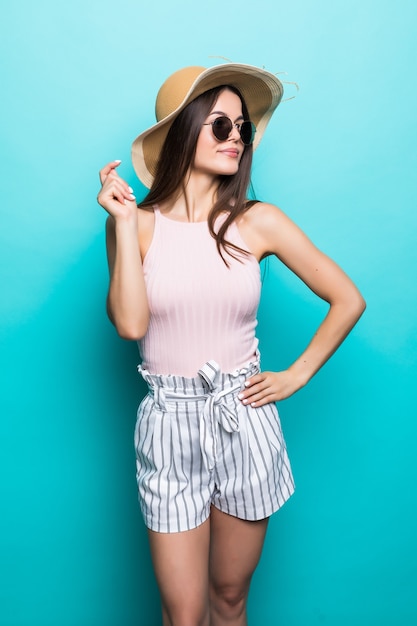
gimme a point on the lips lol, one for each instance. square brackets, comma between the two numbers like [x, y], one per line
[230, 152]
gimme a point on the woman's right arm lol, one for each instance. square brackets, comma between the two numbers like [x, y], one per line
[127, 303]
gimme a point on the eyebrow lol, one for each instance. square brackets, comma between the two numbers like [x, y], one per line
[240, 117]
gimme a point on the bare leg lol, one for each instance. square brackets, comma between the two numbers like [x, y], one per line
[235, 549]
[180, 562]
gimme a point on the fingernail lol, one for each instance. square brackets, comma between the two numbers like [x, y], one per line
[240, 396]
[130, 189]
[245, 401]
[253, 404]
[247, 383]
[132, 197]
[118, 160]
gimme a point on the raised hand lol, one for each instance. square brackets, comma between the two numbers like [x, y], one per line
[115, 195]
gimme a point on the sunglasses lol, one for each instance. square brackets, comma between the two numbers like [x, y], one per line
[223, 126]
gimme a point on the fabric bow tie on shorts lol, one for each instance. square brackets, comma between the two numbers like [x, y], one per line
[215, 411]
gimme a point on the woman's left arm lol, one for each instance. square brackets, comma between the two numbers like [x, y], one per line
[272, 232]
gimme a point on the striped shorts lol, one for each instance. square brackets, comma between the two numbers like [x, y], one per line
[197, 445]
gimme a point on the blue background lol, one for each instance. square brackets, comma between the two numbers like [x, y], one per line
[78, 83]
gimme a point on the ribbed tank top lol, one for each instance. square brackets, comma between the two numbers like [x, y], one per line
[200, 309]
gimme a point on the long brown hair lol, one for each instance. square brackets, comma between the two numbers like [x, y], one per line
[177, 155]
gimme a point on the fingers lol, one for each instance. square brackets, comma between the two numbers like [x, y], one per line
[105, 171]
[115, 192]
[258, 390]
[269, 387]
[116, 187]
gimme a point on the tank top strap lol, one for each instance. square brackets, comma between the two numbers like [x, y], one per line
[157, 214]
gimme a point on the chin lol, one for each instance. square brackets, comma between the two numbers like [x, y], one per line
[231, 172]
[228, 171]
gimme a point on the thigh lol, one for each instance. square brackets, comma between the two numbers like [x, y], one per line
[235, 550]
[180, 562]
[174, 485]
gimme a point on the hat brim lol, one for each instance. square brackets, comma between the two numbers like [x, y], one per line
[261, 90]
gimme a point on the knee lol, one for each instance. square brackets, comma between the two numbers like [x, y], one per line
[187, 616]
[228, 600]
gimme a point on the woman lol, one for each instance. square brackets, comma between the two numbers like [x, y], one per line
[212, 464]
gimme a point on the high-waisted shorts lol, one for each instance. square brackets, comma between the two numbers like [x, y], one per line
[197, 445]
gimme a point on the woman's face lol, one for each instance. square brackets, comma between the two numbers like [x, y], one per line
[214, 157]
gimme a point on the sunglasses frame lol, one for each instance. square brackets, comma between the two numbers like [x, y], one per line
[238, 125]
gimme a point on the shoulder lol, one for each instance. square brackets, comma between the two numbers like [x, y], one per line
[265, 226]
[262, 215]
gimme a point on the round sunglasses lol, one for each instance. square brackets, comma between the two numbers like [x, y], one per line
[222, 127]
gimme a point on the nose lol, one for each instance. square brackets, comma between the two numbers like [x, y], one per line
[234, 133]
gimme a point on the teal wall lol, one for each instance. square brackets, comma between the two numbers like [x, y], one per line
[78, 82]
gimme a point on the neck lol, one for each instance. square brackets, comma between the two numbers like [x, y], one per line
[195, 198]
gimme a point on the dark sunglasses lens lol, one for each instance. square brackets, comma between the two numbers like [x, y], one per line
[247, 133]
[221, 128]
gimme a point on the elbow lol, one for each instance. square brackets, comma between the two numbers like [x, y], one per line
[350, 306]
[129, 336]
[357, 306]
[361, 304]
[131, 332]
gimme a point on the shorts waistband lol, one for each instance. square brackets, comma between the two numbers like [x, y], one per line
[209, 376]
[212, 386]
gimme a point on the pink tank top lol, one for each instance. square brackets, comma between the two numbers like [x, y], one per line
[200, 309]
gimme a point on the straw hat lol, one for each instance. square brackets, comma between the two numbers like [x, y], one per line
[261, 90]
